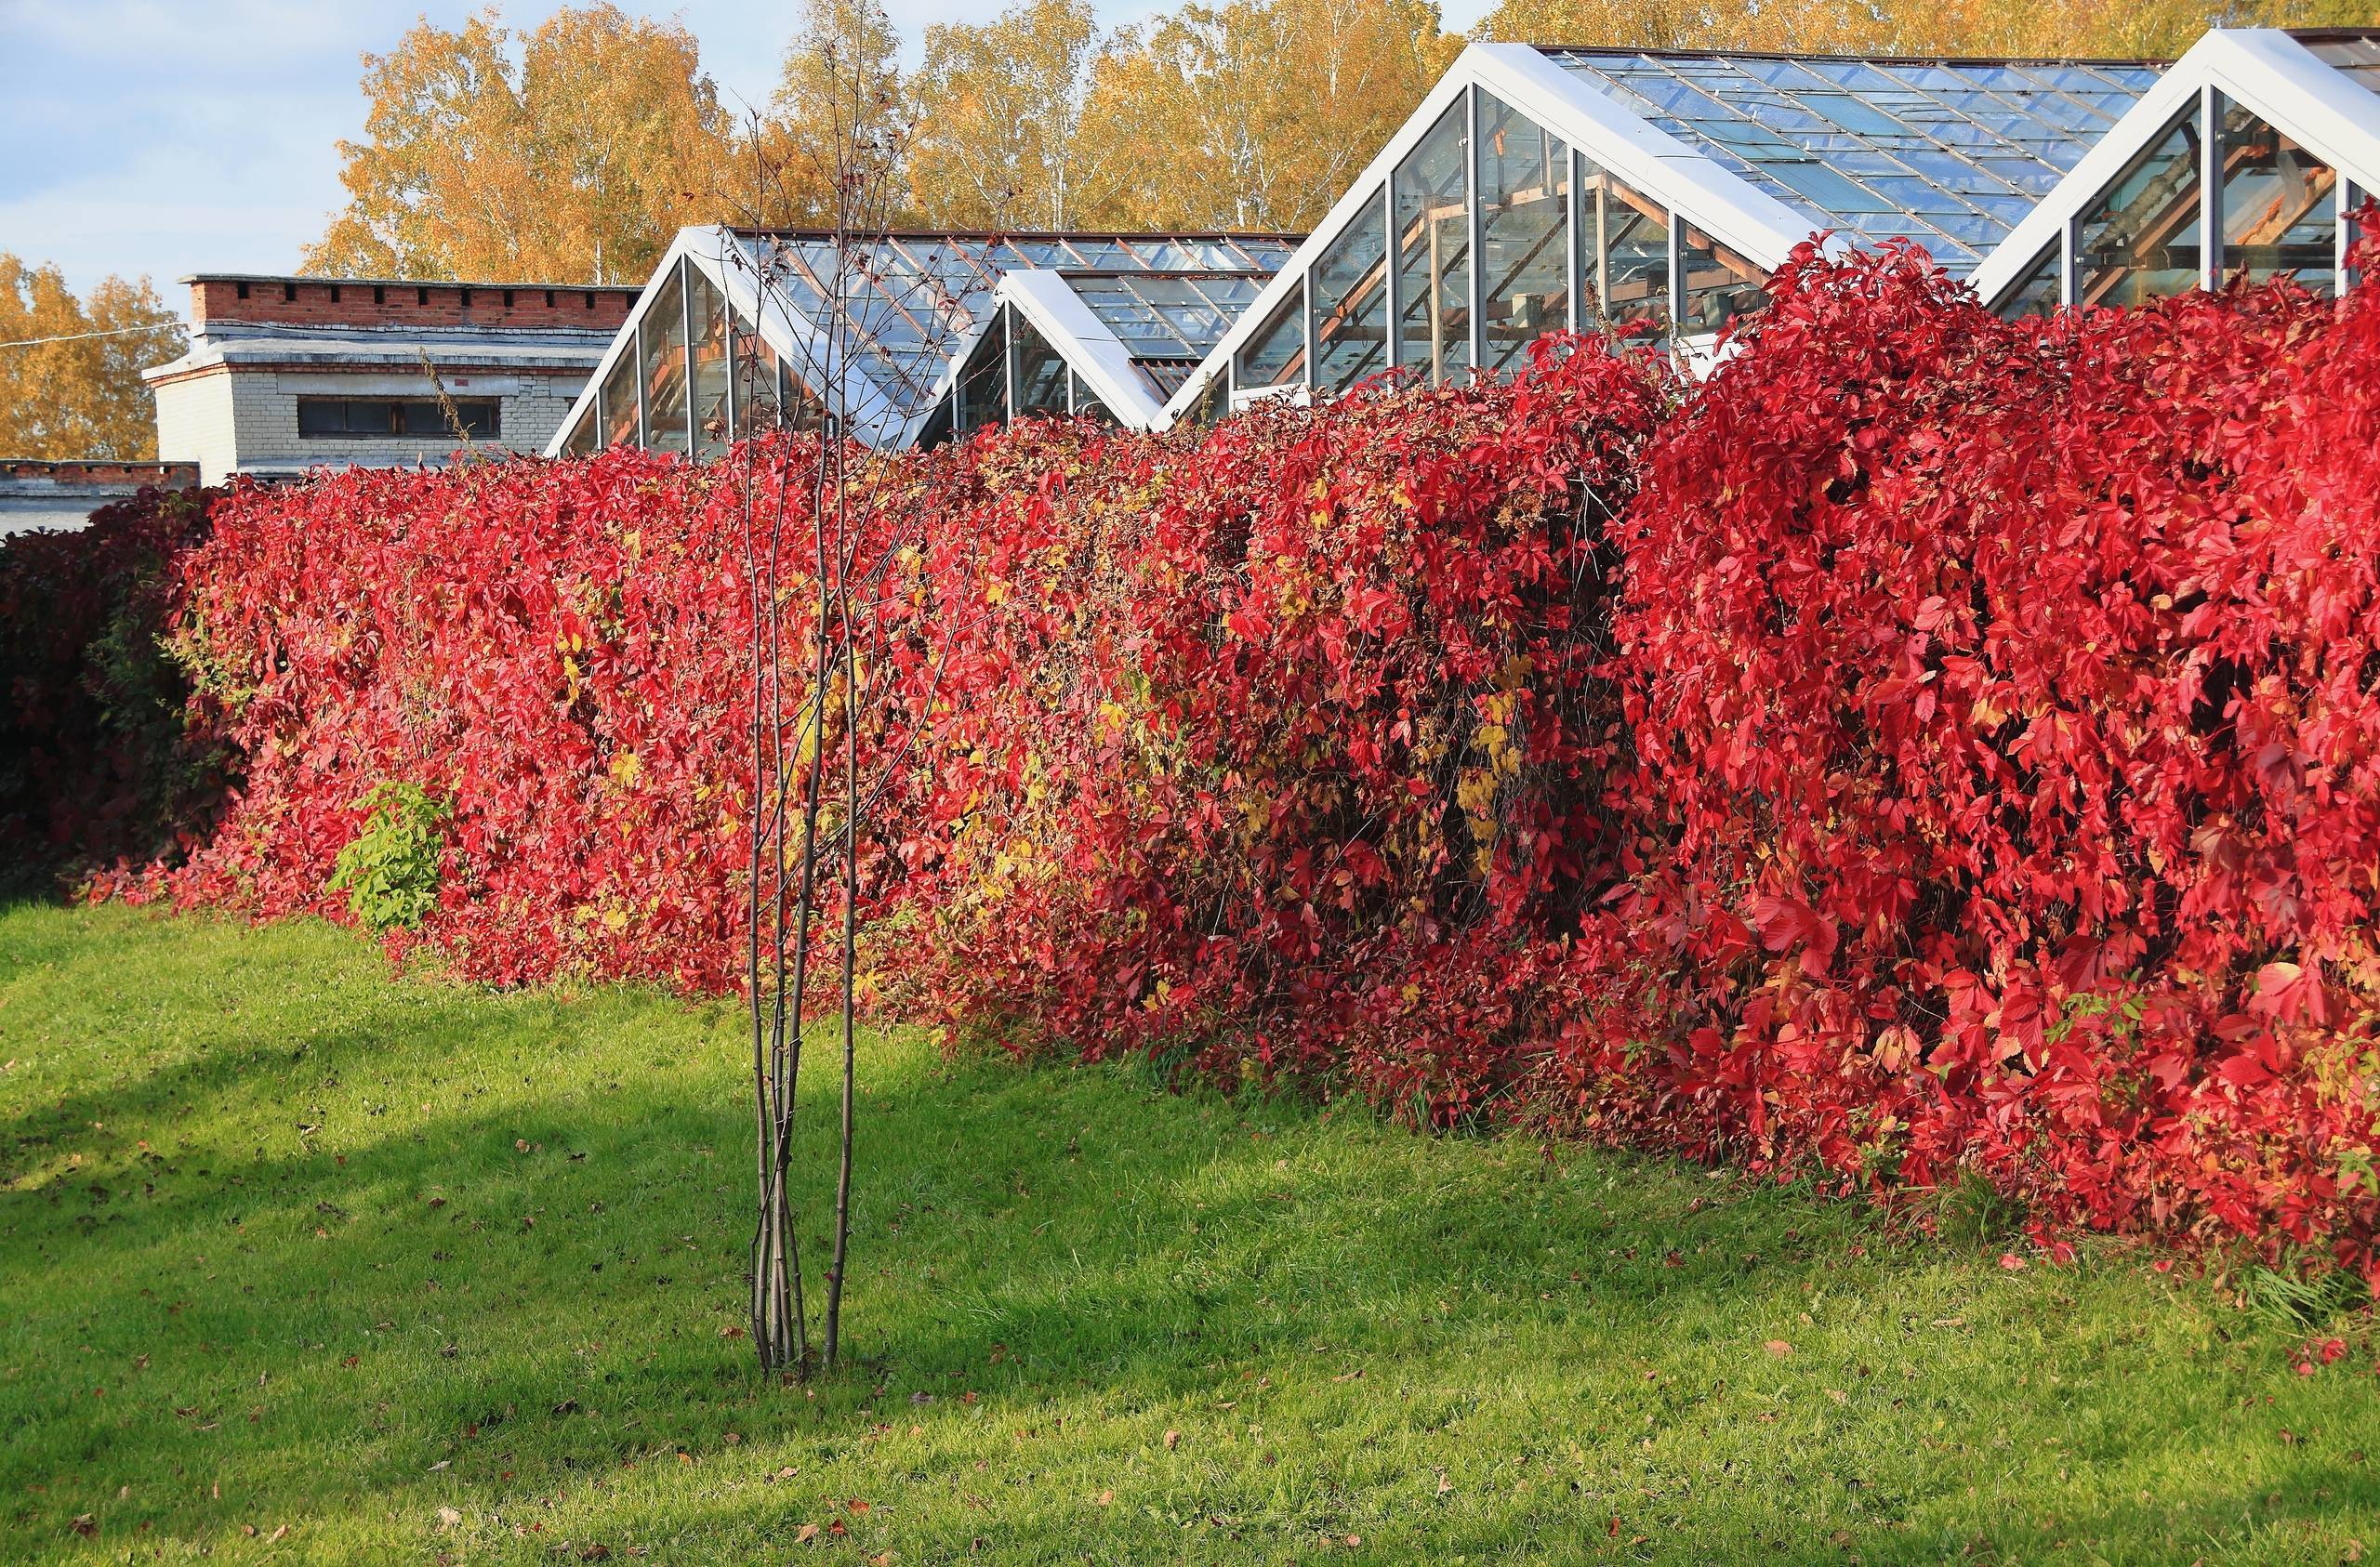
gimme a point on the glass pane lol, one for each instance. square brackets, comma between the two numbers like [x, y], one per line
[1434, 249]
[1628, 267]
[1350, 289]
[2278, 214]
[323, 416]
[1211, 402]
[1717, 285]
[1524, 233]
[1276, 352]
[619, 400]
[2351, 198]
[580, 441]
[661, 347]
[983, 386]
[2139, 240]
[709, 307]
[757, 404]
[800, 406]
[1040, 374]
[936, 429]
[2035, 293]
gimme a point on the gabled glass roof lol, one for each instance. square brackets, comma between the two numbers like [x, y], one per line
[1164, 323]
[2355, 55]
[911, 299]
[1951, 154]
[1167, 321]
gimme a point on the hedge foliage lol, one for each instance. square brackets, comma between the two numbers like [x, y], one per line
[94, 765]
[1927, 743]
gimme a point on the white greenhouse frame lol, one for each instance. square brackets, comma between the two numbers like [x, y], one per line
[724, 259]
[1595, 130]
[1100, 364]
[2266, 71]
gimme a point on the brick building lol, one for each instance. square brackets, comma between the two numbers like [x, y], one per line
[286, 374]
[36, 493]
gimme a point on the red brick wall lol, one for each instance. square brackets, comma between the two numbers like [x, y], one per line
[173, 475]
[405, 304]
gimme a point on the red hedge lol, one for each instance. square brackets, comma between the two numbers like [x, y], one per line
[2007, 704]
[94, 764]
[1931, 741]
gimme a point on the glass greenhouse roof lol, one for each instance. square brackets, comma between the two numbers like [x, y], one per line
[1167, 321]
[1950, 153]
[912, 298]
[2353, 54]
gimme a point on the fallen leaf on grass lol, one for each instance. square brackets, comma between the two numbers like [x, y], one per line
[806, 1534]
[1104, 1499]
[1779, 1348]
[86, 1525]
[1172, 1440]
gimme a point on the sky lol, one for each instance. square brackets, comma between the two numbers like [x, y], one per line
[162, 138]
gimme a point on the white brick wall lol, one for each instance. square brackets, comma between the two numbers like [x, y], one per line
[244, 420]
[194, 424]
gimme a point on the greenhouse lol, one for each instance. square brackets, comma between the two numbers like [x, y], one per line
[1537, 189]
[1110, 345]
[2263, 140]
[735, 332]
[1543, 187]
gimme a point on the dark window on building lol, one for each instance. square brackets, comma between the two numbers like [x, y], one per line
[549, 299]
[507, 299]
[242, 289]
[421, 297]
[288, 292]
[590, 301]
[420, 418]
[334, 294]
[379, 294]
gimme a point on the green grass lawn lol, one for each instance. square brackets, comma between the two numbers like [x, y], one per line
[302, 1261]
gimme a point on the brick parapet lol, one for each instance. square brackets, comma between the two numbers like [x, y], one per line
[98, 473]
[230, 299]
